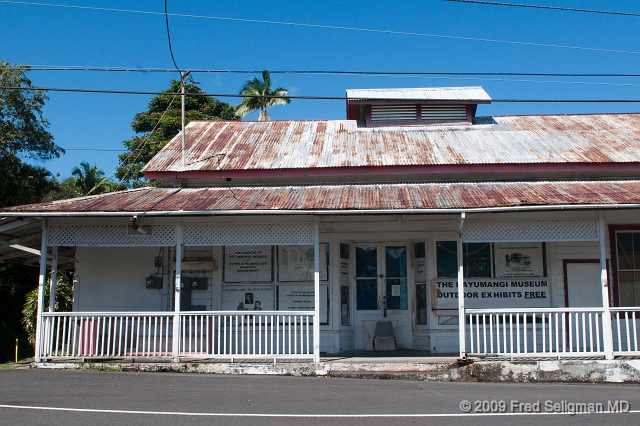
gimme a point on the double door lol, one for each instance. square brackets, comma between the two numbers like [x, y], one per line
[382, 292]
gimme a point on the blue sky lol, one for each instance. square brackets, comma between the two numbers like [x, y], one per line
[84, 123]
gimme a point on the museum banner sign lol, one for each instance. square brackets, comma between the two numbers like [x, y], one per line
[487, 293]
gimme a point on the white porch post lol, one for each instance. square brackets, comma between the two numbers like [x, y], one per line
[54, 279]
[316, 290]
[607, 332]
[176, 303]
[41, 281]
[461, 318]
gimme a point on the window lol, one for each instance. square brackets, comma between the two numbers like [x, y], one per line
[487, 260]
[628, 248]
[477, 259]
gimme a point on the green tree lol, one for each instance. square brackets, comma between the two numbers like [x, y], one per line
[260, 96]
[161, 122]
[90, 180]
[23, 135]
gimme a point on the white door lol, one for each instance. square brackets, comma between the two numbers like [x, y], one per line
[382, 292]
[583, 285]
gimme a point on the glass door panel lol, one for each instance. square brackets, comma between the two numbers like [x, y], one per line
[366, 278]
[396, 277]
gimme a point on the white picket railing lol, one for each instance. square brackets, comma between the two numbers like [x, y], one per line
[625, 323]
[221, 334]
[105, 334]
[535, 332]
[237, 334]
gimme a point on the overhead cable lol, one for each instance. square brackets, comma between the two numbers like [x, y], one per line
[535, 6]
[333, 27]
[325, 98]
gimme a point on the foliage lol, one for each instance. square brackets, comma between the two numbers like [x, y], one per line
[89, 179]
[260, 97]
[23, 130]
[23, 134]
[15, 282]
[161, 122]
[64, 300]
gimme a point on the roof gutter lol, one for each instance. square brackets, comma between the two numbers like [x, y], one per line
[325, 212]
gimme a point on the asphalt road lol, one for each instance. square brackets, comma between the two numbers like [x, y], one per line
[70, 398]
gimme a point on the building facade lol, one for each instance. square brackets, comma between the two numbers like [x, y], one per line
[480, 236]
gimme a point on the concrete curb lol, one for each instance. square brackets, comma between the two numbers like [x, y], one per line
[574, 371]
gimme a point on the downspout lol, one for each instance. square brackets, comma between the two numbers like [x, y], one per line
[41, 281]
[316, 292]
[176, 303]
[607, 331]
[461, 317]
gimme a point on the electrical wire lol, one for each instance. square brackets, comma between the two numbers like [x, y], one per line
[535, 6]
[166, 16]
[325, 98]
[318, 72]
[334, 27]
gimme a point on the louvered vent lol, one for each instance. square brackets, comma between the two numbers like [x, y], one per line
[443, 113]
[393, 113]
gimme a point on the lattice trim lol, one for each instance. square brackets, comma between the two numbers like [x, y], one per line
[530, 230]
[248, 234]
[109, 235]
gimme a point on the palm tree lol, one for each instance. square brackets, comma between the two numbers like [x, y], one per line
[90, 180]
[259, 96]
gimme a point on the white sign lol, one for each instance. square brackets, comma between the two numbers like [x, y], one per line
[247, 264]
[421, 270]
[296, 263]
[247, 298]
[302, 298]
[491, 293]
[518, 260]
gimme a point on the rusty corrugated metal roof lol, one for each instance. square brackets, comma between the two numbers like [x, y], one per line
[370, 196]
[422, 94]
[272, 145]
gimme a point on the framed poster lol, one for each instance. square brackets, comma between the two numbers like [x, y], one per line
[248, 264]
[344, 263]
[247, 298]
[301, 298]
[514, 260]
[421, 262]
[296, 263]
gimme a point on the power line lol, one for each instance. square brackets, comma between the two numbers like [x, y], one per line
[323, 98]
[166, 16]
[331, 27]
[535, 6]
[319, 72]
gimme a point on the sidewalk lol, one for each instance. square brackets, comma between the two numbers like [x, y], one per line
[405, 366]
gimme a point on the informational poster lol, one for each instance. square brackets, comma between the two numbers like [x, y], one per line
[296, 263]
[344, 263]
[421, 270]
[518, 260]
[247, 264]
[491, 293]
[247, 298]
[302, 298]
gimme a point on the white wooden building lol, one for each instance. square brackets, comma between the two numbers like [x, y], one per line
[292, 238]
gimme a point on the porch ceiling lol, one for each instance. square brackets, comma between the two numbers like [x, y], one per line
[20, 241]
[343, 197]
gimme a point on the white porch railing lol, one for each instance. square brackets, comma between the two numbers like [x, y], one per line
[535, 332]
[222, 334]
[105, 334]
[551, 332]
[233, 334]
[625, 323]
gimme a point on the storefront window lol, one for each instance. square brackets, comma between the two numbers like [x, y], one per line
[421, 282]
[296, 263]
[628, 268]
[477, 259]
[345, 305]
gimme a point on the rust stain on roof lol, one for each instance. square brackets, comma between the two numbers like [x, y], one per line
[243, 145]
[374, 196]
